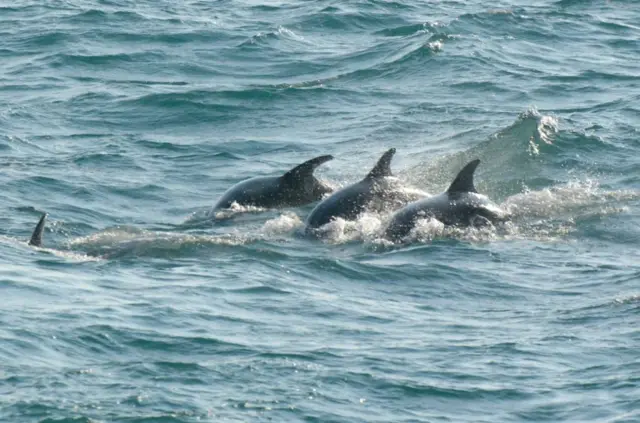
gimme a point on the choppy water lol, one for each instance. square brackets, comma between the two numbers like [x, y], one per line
[126, 120]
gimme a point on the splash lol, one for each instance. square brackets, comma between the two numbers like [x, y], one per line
[630, 299]
[365, 228]
[575, 197]
[285, 223]
[236, 209]
[547, 128]
[396, 194]
[435, 46]
[426, 230]
[201, 217]
[545, 132]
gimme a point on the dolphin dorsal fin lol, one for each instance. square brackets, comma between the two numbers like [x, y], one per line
[305, 170]
[464, 180]
[36, 237]
[383, 167]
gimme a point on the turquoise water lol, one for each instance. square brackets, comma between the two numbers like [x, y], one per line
[125, 121]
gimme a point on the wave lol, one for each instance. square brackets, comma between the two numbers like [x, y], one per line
[632, 299]
[401, 48]
[593, 77]
[503, 23]
[174, 109]
[333, 18]
[408, 30]
[112, 59]
[46, 39]
[92, 16]
[509, 158]
[265, 38]
[399, 61]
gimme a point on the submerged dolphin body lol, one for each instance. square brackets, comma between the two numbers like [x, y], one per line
[352, 200]
[297, 187]
[460, 205]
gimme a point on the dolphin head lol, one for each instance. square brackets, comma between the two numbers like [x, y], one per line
[492, 212]
[479, 210]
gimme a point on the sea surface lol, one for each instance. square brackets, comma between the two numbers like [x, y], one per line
[125, 121]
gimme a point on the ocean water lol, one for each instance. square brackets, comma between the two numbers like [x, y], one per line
[125, 121]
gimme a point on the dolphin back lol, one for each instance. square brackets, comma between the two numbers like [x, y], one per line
[383, 167]
[460, 204]
[464, 180]
[350, 201]
[306, 169]
[36, 237]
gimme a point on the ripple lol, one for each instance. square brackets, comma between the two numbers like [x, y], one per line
[73, 60]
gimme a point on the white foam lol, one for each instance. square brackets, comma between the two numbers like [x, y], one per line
[236, 209]
[435, 46]
[68, 255]
[108, 237]
[426, 230]
[631, 299]
[547, 128]
[341, 231]
[282, 224]
[584, 196]
[289, 33]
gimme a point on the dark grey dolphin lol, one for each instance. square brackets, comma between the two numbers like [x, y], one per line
[460, 205]
[295, 188]
[350, 201]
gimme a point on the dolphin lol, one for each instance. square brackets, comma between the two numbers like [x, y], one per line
[460, 205]
[297, 187]
[350, 201]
